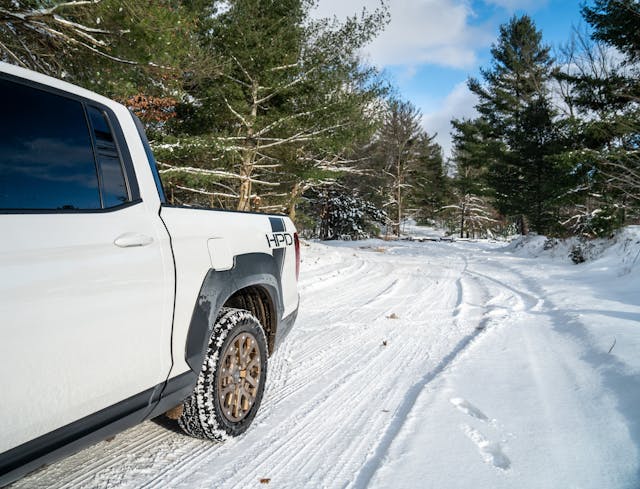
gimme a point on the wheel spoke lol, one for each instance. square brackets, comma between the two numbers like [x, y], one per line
[246, 397]
[255, 362]
[225, 390]
[253, 381]
[242, 350]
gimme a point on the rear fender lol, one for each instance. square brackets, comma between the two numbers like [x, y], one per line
[249, 270]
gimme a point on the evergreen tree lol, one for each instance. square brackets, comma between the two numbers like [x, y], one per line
[430, 184]
[115, 47]
[284, 111]
[470, 207]
[616, 23]
[398, 144]
[517, 117]
[605, 129]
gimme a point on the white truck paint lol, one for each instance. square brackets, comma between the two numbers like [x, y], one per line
[96, 305]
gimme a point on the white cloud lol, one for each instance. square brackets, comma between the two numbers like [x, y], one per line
[420, 31]
[459, 104]
[423, 32]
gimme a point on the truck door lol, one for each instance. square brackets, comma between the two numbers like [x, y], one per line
[86, 282]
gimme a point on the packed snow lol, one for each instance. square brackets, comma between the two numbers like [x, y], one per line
[426, 364]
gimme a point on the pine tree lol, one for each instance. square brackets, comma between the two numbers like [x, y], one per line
[284, 110]
[398, 144]
[430, 184]
[115, 47]
[470, 207]
[517, 117]
[605, 125]
[616, 23]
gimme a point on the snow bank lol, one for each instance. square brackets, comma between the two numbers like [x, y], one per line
[622, 251]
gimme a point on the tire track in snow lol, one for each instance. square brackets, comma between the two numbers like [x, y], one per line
[112, 455]
[275, 452]
[528, 301]
[308, 413]
[335, 381]
[566, 324]
[354, 294]
[364, 387]
[401, 415]
[345, 428]
[330, 401]
[351, 270]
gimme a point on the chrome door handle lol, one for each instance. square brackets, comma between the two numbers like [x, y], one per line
[128, 240]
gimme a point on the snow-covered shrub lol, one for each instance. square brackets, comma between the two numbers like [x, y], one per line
[601, 222]
[336, 215]
[583, 249]
[576, 253]
[621, 250]
[347, 217]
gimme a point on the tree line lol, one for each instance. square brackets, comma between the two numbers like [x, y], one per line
[258, 105]
[554, 148]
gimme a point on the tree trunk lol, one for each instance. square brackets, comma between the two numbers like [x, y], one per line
[292, 200]
[248, 155]
[244, 200]
[324, 219]
[399, 197]
[522, 225]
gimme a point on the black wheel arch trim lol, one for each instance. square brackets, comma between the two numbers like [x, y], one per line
[250, 269]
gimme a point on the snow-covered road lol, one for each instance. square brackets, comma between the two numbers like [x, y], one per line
[423, 365]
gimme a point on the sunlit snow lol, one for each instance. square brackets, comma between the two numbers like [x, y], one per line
[426, 365]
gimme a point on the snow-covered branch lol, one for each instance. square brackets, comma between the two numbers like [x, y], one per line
[204, 192]
[46, 24]
[218, 173]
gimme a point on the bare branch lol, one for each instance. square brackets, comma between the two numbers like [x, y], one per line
[285, 87]
[301, 136]
[285, 67]
[69, 4]
[237, 114]
[12, 55]
[246, 73]
[282, 120]
[218, 173]
[204, 192]
[234, 79]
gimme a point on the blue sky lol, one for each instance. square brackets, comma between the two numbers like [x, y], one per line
[431, 47]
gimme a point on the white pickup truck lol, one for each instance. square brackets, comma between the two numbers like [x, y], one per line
[114, 306]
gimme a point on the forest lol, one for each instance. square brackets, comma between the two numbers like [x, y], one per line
[257, 105]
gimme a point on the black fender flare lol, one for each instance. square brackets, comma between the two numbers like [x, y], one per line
[250, 269]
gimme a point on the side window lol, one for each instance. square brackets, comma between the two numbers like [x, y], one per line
[114, 187]
[46, 155]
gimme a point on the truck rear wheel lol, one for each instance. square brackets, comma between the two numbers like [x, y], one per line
[231, 383]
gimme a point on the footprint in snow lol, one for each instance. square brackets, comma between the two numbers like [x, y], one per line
[467, 408]
[490, 451]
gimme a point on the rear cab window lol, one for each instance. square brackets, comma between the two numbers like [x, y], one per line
[58, 153]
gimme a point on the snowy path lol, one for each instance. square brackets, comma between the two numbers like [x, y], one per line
[444, 365]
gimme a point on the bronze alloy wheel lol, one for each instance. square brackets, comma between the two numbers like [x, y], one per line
[239, 378]
[231, 382]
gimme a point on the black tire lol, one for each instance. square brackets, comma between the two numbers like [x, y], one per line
[204, 414]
